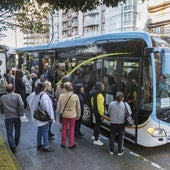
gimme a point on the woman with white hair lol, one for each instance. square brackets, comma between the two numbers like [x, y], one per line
[69, 106]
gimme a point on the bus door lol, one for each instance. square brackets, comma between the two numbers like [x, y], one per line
[129, 82]
[109, 78]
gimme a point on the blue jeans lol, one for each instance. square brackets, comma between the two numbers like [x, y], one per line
[42, 134]
[13, 141]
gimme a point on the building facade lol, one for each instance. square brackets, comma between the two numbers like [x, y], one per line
[159, 20]
[134, 15]
[102, 20]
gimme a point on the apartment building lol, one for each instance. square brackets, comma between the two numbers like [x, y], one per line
[94, 22]
[33, 39]
[159, 12]
[102, 20]
[134, 15]
[72, 24]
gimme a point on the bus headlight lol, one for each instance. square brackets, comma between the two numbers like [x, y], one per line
[156, 132]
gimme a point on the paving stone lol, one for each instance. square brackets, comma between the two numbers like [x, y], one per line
[86, 156]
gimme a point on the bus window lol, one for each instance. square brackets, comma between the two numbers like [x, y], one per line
[165, 63]
[109, 79]
[130, 82]
[89, 76]
[163, 81]
[11, 63]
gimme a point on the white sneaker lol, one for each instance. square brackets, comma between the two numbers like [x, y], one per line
[111, 153]
[93, 137]
[98, 142]
[120, 153]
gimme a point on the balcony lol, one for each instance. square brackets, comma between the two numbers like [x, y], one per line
[74, 14]
[158, 6]
[74, 24]
[93, 12]
[91, 22]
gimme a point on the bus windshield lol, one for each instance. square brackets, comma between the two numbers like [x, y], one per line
[161, 41]
[163, 80]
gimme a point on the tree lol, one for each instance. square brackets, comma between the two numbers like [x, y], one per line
[31, 19]
[5, 21]
[82, 5]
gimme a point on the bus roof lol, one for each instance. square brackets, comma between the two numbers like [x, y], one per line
[87, 41]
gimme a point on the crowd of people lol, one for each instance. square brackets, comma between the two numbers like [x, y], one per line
[27, 90]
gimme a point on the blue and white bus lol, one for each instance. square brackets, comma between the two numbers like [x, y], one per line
[136, 63]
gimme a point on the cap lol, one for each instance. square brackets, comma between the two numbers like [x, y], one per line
[65, 79]
[78, 86]
[98, 85]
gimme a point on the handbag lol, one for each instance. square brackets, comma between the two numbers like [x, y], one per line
[128, 118]
[60, 116]
[40, 114]
[24, 118]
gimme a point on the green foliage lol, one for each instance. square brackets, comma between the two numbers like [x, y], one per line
[82, 5]
[33, 18]
[11, 5]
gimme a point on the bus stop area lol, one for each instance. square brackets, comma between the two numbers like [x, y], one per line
[85, 156]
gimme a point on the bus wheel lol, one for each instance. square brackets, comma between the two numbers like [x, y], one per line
[87, 116]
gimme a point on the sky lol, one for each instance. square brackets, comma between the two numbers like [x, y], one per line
[12, 39]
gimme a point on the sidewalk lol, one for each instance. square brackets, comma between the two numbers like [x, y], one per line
[86, 156]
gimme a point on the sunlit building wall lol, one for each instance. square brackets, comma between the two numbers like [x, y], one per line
[159, 12]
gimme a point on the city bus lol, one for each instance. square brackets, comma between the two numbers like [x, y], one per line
[136, 63]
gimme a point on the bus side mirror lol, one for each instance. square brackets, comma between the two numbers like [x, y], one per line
[149, 50]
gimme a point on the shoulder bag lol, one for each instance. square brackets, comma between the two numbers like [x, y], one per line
[128, 118]
[40, 114]
[60, 117]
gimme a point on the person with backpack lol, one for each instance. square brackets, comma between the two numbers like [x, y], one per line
[98, 107]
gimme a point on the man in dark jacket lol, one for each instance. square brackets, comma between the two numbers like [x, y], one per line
[9, 77]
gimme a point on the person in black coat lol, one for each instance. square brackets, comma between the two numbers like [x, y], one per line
[20, 86]
[79, 90]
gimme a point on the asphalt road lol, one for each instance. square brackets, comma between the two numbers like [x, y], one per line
[159, 156]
